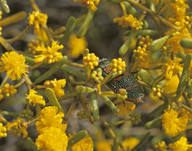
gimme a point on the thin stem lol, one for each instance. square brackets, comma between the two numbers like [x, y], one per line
[72, 107]
[183, 106]
[107, 78]
[20, 83]
[187, 100]
[123, 8]
[28, 82]
[35, 66]
[107, 125]
[142, 7]
[18, 36]
[34, 5]
[163, 9]
[168, 23]
[4, 81]
[75, 64]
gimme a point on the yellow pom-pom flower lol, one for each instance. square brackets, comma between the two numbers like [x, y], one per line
[86, 144]
[173, 124]
[14, 64]
[49, 54]
[34, 98]
[57, 86]
[91, 60]
[50, 117]
[52, 139]
[76, 46]
[181, 144]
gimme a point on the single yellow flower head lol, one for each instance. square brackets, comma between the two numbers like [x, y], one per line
[8, 90]
[118, 65]
[17, 128]
[91, 60]
[36, 18]
[171, 85]
[129, 143]
[89, 3]
[50, 117]
[14, 64]
[35, 98]
[86, 144]
[52, 139]
[57, 86]
[3, 131]
[160, 146]
[171, 67]
[76, 46]
[49, 54]
[103, 145]
[125, 108]
[173, 124]
[128, 21]
[180, 145]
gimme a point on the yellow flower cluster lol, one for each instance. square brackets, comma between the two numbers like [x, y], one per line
[157, 91]
[18, 127]
[37, 18]
[181, 144]
[174, 122]
[3, 131]
[57, 86]
[142, 53]
[171, 67]
[89, 3]
[118, 66]
[128, 21]
[49, 54]
[160, 146]
[34, 99]
[32, 46]
[76, 46]
[8, 90]
[85, 144]
[49, 125]
[14, 64]
[91, 60]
